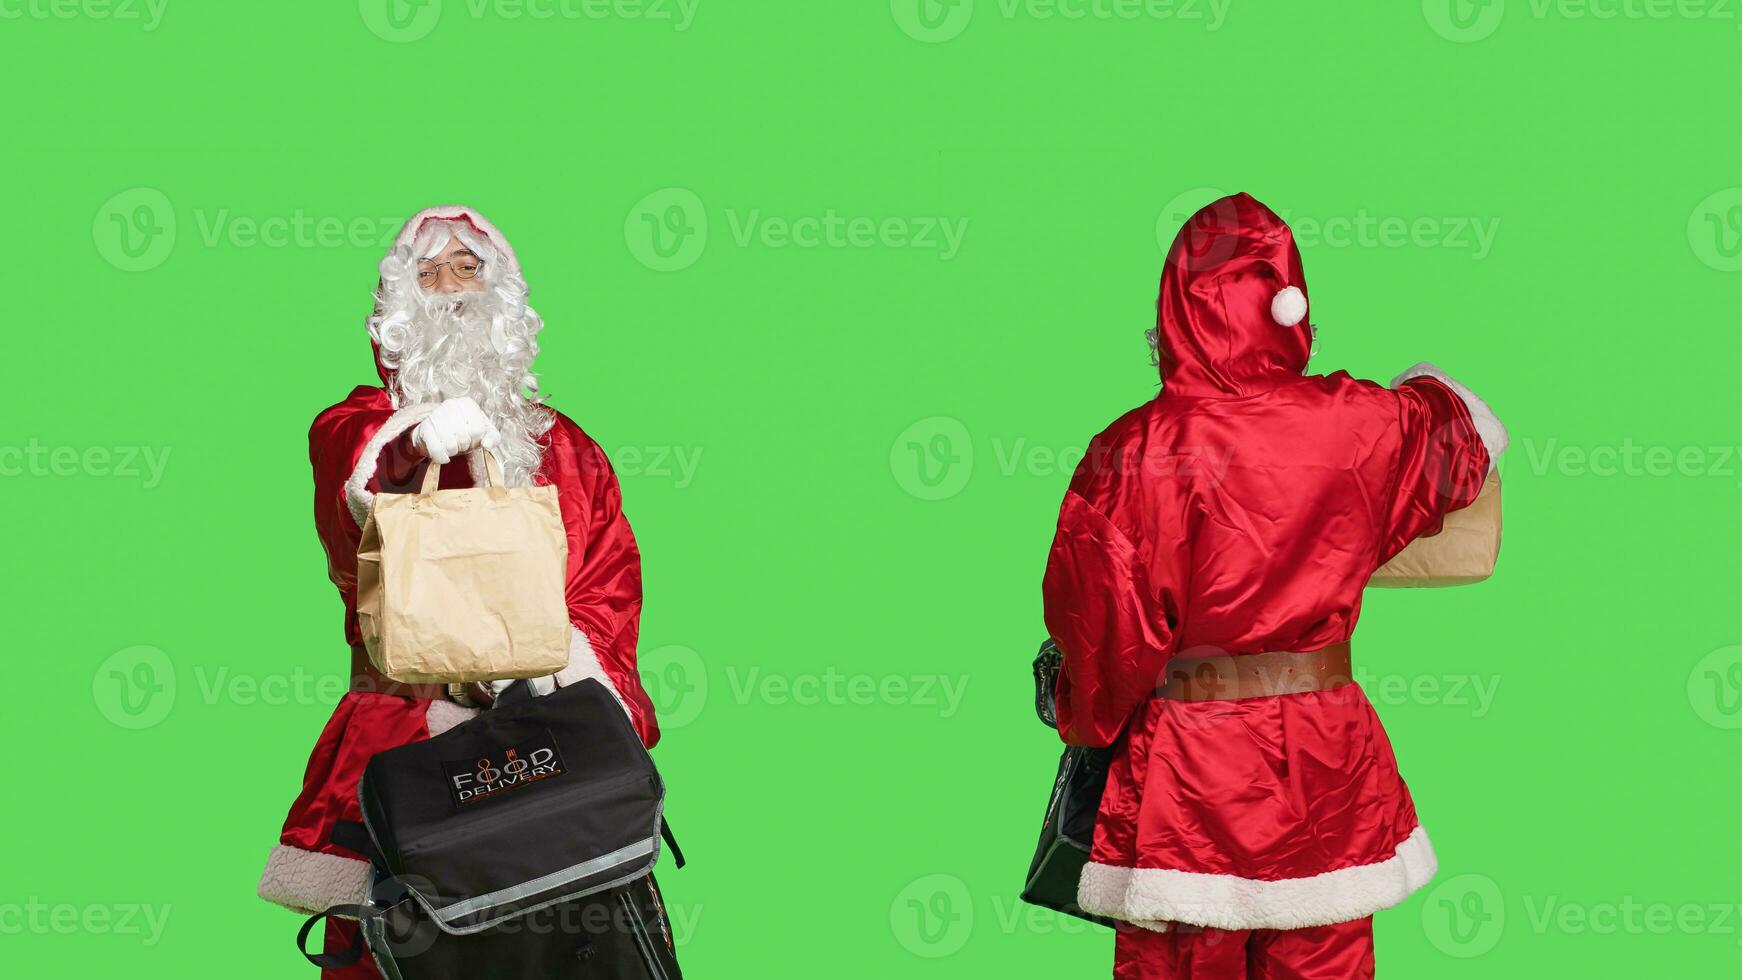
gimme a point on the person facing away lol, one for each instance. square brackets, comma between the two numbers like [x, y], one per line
[1240, 512]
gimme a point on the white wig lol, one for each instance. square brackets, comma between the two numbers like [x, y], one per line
[480, 343]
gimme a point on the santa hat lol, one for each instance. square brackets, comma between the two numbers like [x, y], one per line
[408, 233]
[1232, 313]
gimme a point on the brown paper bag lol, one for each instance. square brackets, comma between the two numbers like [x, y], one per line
[464, 585]
[1464, 551]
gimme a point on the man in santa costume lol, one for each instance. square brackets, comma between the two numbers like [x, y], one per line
[451, 331]
[1203, 585]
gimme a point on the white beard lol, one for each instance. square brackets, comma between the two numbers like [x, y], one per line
[479, 344]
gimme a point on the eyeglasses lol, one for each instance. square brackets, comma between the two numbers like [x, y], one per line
[464, 266]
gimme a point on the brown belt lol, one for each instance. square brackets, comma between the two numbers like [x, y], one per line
[366, 679]
[1230, 677]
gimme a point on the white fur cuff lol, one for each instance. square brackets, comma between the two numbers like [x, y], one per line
[1151, 896]
[584, 663]
[1488, 426]
[357, 495]
[310, 881]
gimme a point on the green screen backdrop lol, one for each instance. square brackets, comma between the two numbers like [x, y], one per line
[844, 288]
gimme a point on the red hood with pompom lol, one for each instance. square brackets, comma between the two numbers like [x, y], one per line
[1215, 332]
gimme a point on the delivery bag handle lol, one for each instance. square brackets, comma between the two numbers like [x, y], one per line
[432, 474]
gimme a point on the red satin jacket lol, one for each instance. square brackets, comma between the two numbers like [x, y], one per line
[1243, 511]
[1244, 508]
[604, 566]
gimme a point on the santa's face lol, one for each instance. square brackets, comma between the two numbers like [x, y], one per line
[455, 269]
[454, 322]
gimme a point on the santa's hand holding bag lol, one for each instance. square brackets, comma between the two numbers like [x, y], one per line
[463, 586]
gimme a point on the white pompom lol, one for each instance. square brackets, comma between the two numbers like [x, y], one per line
[1288, 307]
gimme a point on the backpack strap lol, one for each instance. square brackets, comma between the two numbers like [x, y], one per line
[353, 836]
[671, 842]
[343, 958]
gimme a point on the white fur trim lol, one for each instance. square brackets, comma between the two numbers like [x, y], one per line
[357, 495]
[310, 881]
[1150, 895]
[408, 231]
[1289, 306]
[443, 715]
[584, 663]
[1494, 437]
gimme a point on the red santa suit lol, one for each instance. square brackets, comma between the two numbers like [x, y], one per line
[359, 447]
[1242, 511]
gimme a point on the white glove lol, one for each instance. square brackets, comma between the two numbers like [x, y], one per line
[456, 427]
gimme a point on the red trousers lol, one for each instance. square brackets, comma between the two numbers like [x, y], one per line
[1338, 952]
